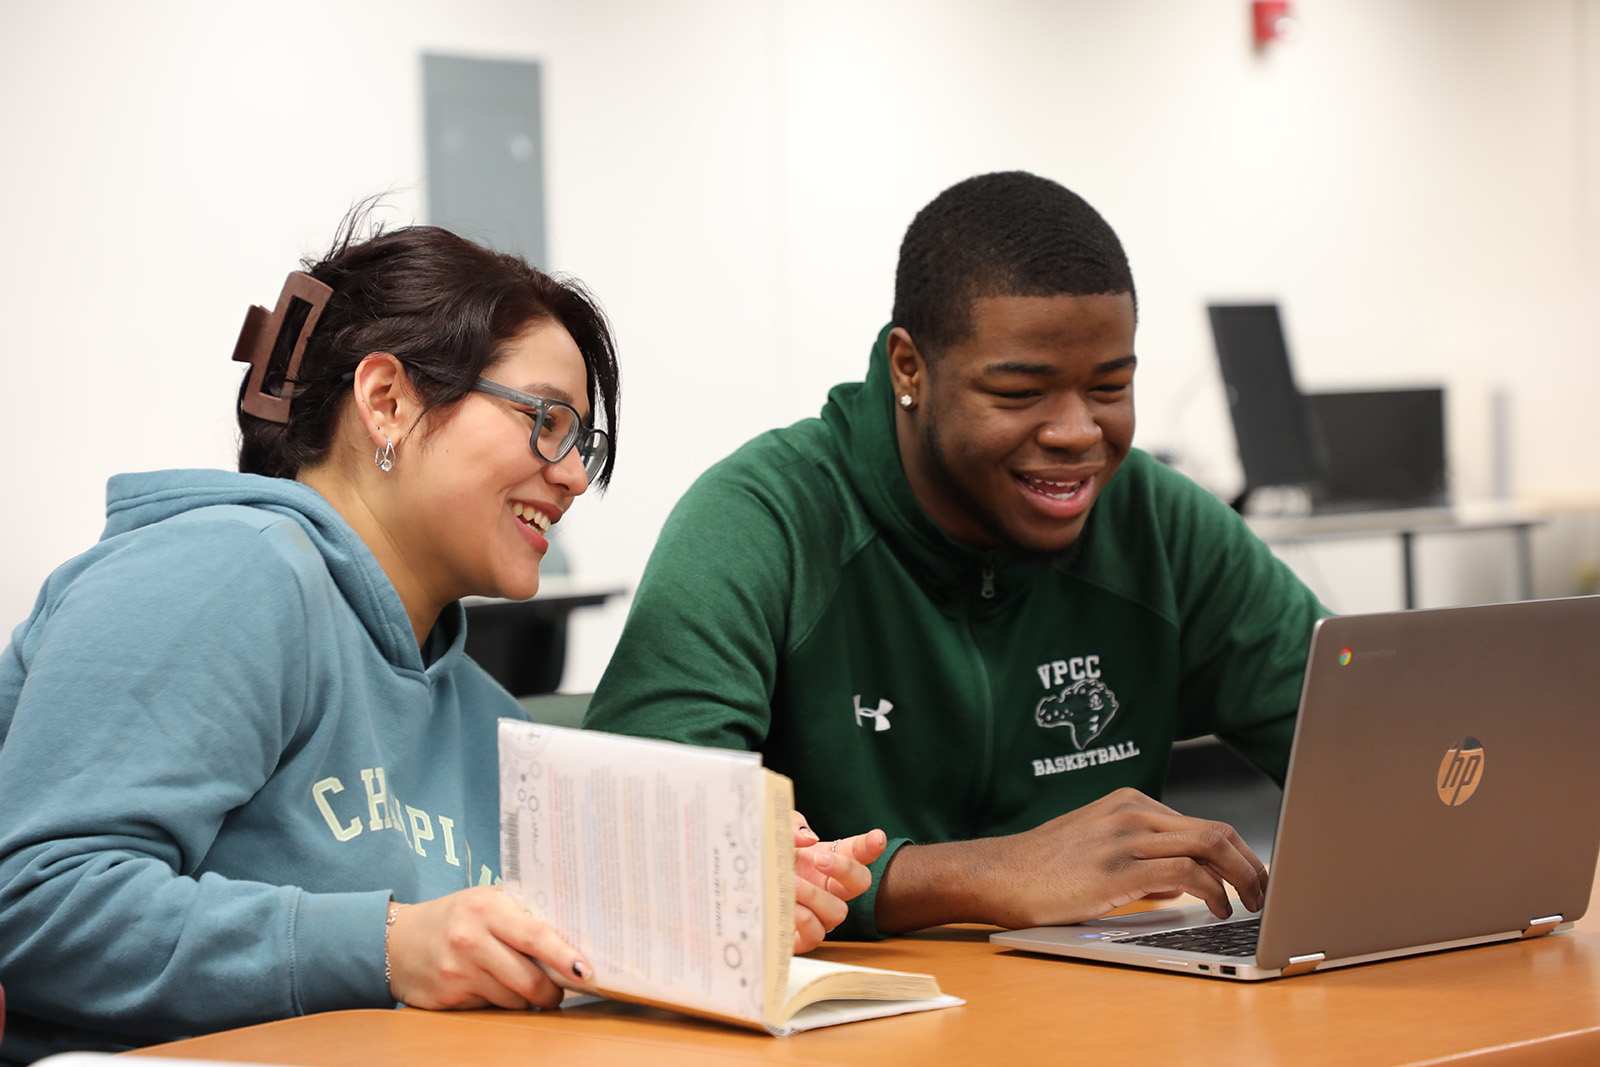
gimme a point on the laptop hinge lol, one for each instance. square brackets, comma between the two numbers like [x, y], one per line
[1302, 964]
[1540, 927]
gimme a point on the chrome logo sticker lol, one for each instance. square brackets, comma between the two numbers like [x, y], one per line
[1460, 772]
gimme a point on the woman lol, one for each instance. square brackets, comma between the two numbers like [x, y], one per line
[245, 768]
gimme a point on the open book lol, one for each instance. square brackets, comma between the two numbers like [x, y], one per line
[671, 868]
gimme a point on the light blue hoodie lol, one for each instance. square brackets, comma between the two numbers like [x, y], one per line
[220, 752]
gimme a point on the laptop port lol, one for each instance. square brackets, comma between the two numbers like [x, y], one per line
[1228, 968]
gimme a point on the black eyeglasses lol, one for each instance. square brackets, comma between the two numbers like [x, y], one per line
[557, 427]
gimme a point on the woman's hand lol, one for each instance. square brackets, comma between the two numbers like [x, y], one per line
[827, 874]
[476, 948]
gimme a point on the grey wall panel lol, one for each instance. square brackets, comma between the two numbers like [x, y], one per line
[485, 151]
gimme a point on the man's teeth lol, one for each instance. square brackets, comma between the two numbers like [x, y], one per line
[533, 515]
[1056, 489]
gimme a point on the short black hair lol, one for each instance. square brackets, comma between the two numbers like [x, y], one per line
[1006, 234]
[446, 308]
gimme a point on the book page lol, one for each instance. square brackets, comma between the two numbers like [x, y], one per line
[822, 978]
[854, 994]
[646, 857]
[834, 1012]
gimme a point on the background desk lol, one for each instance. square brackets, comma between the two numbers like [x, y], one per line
[1408, 525]
[1527, 1002]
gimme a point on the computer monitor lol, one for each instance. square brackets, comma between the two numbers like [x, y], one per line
[1382, 446]
[1271, 421]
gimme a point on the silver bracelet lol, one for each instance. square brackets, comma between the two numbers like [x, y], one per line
[388, 977]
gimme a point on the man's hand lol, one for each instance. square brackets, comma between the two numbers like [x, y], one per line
[476, 948]
[827, 874]
[1119, 849]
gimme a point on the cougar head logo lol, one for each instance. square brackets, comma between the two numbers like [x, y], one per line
[1085, 708]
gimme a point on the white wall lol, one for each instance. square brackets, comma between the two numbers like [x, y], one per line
[1417, 181]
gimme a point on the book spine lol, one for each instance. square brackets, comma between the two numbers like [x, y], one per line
[778, 905]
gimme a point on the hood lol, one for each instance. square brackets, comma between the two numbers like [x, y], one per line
[861, 414]
[134, 501]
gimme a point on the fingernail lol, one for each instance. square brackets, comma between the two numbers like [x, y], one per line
[580, 970]
[806, 831]
[823, 861]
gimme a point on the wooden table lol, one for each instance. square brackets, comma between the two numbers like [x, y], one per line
[1527, 1002]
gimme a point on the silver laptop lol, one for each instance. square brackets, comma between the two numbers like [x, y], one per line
[1441, 793]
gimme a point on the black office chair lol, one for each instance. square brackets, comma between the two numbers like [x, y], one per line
[521, 649]
[523, 646]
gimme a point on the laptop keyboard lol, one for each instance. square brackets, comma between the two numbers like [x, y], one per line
[1222, 939]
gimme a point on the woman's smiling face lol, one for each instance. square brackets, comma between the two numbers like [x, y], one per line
[478, 503]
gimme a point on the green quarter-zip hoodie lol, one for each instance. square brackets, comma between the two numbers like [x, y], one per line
[801, 603]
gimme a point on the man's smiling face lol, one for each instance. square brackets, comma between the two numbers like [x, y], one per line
[1016, 429]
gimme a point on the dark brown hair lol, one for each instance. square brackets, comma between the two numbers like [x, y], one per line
[445, 308]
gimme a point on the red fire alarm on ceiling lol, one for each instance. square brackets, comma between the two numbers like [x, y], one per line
[1274, 21]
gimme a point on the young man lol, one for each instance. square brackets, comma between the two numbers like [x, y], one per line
[961, 607]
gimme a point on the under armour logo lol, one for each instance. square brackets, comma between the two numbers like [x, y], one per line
[878, 715]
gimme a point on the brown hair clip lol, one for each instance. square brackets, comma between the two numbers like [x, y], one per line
[273, 343]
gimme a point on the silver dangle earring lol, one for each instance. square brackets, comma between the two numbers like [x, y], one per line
[384, 457]
[906, 401]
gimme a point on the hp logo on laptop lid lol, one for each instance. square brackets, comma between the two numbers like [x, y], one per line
[1460, 772]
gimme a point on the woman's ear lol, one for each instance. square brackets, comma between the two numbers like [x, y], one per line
[386, 403]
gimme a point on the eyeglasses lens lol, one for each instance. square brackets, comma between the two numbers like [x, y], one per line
[559, 430]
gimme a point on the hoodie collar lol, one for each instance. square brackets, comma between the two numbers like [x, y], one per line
[137, 500]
